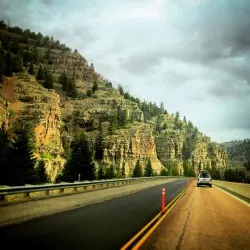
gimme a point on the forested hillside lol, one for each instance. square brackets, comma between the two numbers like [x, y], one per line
[60, 118]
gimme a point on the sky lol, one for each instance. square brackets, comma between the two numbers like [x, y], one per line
[193, 55]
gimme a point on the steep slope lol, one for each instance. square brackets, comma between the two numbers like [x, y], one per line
[131, 129]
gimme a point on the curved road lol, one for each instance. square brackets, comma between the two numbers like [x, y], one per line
[105, 225]
[205, 218]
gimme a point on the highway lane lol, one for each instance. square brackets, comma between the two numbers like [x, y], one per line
[105, 225]
[205, 218]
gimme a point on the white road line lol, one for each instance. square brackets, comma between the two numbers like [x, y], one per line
[233, 196]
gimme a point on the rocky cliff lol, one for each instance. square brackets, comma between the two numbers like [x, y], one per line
[24, 100]
[128, 145]
[55, 117]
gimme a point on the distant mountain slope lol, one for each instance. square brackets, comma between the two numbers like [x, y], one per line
[238, 150]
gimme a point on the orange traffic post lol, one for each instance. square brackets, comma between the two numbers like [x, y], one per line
[163, 199]
[187, 184]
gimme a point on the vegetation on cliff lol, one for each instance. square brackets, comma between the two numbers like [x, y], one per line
[79, 118]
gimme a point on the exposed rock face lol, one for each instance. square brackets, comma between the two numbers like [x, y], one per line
[40, 108]
[204, 154]
[129, 145]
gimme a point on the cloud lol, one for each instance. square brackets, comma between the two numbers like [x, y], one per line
[192, 55]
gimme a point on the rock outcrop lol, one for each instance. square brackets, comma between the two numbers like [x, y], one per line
[39, 108]
[128, 145]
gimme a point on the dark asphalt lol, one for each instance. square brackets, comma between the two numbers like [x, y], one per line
[105, 225]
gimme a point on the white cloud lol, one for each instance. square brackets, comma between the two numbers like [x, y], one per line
[193, 55]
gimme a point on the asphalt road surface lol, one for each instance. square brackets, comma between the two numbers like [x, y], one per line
[105, 225]
[205, 218]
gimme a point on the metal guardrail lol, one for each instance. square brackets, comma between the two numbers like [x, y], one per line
[13, 194]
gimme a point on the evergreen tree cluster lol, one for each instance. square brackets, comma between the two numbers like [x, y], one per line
[119, 119]
[30, 38]
[80, 160]
[17, 163]
[46, 78]
[68, 85]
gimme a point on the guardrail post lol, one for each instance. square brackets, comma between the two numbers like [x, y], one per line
[163, 198]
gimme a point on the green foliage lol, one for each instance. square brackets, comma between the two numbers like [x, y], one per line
[121, 91]
[148, 171]
[99, 146]
[8, 65]
[92, 66]
[31, 69]
[123, 173]
[72, 91]
[101, 173]
[2, 64]
[113, 124]
[122, 117]
[188, 169]
[34, 55]
[159, 123]
[172, 166]
[95, 87]
[40, 74]
[164, 172]
[80, 161]
[17, 163]
[48, 83]
[5, 155]
[89, 93]
[137, 172]
[110, 172]
[29, 37]
[17, 63]
[109, 85]
[41, 171]
[46, 156]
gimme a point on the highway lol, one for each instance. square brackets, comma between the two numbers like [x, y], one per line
[105, 225]
[204, 218]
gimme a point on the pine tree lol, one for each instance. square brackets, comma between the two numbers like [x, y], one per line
[110, 172]
[123, 171]
[80, 161]
[2, 64]
[40, 74]
[164, 172]
[92, 66]
[64, 81]
[95, 87]
[99, 146]
[8, 65]
[31, 69]
[35, 55]
[5, 146]
[22, 160]
[137, 172]
[113, 124]
[17, 63]
[48, 83]
[41, 171]
[184, 119]
[101, 174]
[72, 88]
[148, 169]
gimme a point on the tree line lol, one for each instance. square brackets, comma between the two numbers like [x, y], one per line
[28, 37]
